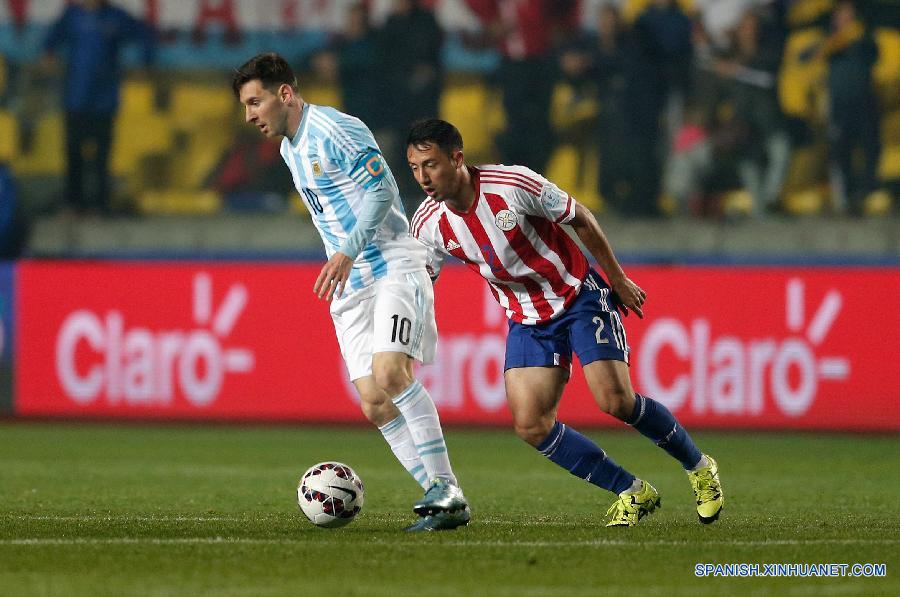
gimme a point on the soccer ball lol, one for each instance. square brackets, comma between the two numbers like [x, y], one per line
[330, 494]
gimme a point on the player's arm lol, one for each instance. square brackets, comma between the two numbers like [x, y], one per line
[370, 171]
[630, 295]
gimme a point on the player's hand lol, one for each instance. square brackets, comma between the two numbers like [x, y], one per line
[333, 276]
[629, 295]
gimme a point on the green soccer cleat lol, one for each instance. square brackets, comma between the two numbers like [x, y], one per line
[631, 507]
[442, 521]
[441, 496]
[708, 489]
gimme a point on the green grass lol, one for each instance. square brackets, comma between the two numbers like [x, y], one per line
[181, 510]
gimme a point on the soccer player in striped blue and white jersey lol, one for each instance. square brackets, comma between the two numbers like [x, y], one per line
[382, 302]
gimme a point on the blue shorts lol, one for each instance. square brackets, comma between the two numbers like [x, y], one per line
[590, 326]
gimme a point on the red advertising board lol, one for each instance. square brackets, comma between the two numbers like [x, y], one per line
[722, 347]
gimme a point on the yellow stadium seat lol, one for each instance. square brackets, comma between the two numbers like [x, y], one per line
[47, 148]
[9, 137]
[178, 202]
[889, 168]
[878, 204]
[478, 114]
[194, 105]
[738, 202]
[890, 128]
[808, 167]
[322, 94]
[804, 12]
[197, 155]
[135, 138]
[806, 202]
[137, 98]
[887, 70]
[576, 174]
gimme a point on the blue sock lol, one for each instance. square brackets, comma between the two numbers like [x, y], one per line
[655, 421]
[583, 458]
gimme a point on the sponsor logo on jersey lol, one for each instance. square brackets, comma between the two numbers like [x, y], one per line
[505, 220]
[317, 168]
[452, 245]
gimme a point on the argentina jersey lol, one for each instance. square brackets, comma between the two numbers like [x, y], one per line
[333, 159]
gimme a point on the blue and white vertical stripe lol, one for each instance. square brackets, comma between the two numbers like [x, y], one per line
[331, 162]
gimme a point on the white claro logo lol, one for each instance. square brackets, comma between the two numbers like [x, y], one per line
[730, 375]
[140, 366]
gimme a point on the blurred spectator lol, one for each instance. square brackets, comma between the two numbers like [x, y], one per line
[748, 74]
[412, 78]
[690, 163]
[251, 175]
[357, 62]
[658, 80]
[524, 31]
[12, 229]
[854, 122]
[613, 66]
[92, 32]
[575, 106]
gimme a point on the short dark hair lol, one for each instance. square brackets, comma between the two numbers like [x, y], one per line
[272, 70]
[435, 131]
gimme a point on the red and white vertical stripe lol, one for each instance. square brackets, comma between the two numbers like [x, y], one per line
[534, 268]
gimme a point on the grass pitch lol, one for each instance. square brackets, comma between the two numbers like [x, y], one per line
[182, 510]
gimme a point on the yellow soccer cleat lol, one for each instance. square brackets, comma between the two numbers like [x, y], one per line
[631, 507]
[708, 489]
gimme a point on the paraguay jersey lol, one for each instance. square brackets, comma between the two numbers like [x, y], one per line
[512, 237]
[333, 159]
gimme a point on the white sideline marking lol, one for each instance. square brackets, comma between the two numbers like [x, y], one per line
[281, 541]
[135, 518]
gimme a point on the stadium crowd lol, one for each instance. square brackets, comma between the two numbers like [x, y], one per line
[649, 108]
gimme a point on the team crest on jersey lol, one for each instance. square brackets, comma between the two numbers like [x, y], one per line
[505, 220]
[317, 168]
[551, 197]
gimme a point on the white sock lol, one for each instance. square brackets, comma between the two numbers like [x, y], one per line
[636, 486]
[703, 462]
[425, 427]
[396, 433]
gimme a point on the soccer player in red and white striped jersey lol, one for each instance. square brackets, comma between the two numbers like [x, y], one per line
[506, 224]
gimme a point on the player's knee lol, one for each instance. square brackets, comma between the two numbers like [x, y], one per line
[390, 378]
[617, 401]
[533, 429]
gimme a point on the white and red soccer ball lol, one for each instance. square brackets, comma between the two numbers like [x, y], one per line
[330, 494]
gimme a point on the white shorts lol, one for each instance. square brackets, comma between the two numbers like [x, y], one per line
[395, 314]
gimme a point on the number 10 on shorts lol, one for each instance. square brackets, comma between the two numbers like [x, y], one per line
[401, 329]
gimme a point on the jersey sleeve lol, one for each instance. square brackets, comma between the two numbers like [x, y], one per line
[553, 203]
[353, 146]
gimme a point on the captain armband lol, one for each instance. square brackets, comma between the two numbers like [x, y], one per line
[369, 169]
